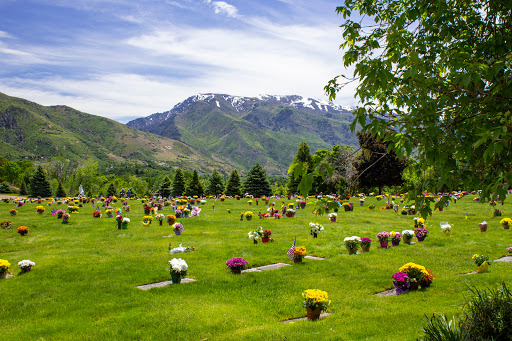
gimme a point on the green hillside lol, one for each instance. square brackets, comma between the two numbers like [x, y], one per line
[32, 131]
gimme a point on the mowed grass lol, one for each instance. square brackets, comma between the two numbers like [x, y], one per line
[83, 286]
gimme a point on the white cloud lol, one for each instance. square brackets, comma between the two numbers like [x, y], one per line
[225, 8]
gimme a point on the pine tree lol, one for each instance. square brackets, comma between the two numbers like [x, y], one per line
[165, 189]
[111, 191]
[5, 188]
[39, 185]
[178, 184]
[215, 185]
[303, 155]
[23, 188]
[256, 182]
[60, 191]
[194, 187]
[233, 186]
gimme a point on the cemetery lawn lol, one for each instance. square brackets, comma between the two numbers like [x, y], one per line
[83, 286]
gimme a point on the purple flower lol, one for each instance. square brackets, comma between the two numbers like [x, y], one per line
[365, 241]
[400, 277]
[236, 263]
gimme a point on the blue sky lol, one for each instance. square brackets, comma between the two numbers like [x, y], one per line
[124, 59]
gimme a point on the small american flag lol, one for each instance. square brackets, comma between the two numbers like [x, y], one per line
[182, 228]
[291, 250]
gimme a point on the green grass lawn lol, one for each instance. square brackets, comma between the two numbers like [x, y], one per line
[83, 286]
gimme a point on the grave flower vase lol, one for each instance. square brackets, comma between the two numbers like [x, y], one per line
[313, 314]
[483, 227]
[395, 243]
[505, 226]
[124, 226]
[365, 248]
[161, 221]
[333, 220]
[407, 240]
[177, 232]
[447, 233]
[4, 274]
[315, 235]
[119, 222]
[482, 268]
[297, 260]
[176, 278]
[384, 244]
[361, 203]
[421, 238]
[352, 251]
[414, 285]
[265, 240]
[236, 271]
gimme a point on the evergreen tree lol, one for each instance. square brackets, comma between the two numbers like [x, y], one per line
[303, 155]
[39, 185]
[256, 182]
[60, 191]
[23, 188]
[165, 189]
[5, 188]
[194, 187]
[178, 184]
[111, 191]
[233, 186]
[216, 185]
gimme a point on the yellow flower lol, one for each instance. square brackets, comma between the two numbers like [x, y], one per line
[300, 250]
[393, 234]
[475, 255]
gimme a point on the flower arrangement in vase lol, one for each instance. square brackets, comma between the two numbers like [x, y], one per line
[506, 222]
[302, 204]
[315, 301]
[299, 253]
[418, 274]
[40, 209]
[65, 218]
[401, 282]
[171, 219]
[407, 235]
[119, 220]
[236, 265]
[352, 244]
[315, 229]
[6, 225]
[59, 213]
[256, 234]
[447, 228]
[124, 223]
[249, 202]
[265, 238]
[333, 216]
[248, 215]
[290, 212]
[160, 217]
[13, 212]
[509, 249]
[365, 244]
[146, 220]
[395, 238]
[421, 233]
[178, 228]
[4, 268]
[74, 209]
[482, 262]
[26, 265]
[22, 230]
[378, 197]
[383, 238]
[178, 270]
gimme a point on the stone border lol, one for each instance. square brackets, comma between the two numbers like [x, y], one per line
[266, 267]
[322, 316]
[469, 273]
[314, 257]
[163, 284]
[506, 259]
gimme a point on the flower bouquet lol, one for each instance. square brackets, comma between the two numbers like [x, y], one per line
[160, 217]
[509, 249]
[248, 215]
[417, 274]
[315, 229]
[26, 265]
[22, 230]
[13, 212]
[290, 212]
[506, 222]
[407, 235]
[365, 244]
[378, 197]
[419, 222]
[171, 219]
[483, 226]
[6, 225]
[352, 244]
[421, 233]
[302, 204]
[178, 270]
[74, 209]
[124, 223]
[266, 236]
[256, 234]
[447, 228]
[59, 213]
[401, 282]
[299, 253]
[178, 228]
[40, 209]
[146, 220]
[383, 238]
[333, 216]
[395, 238]
[481, 262]
[236, 264]
[315, 301]
[4, 268]
[97, 214]
[65, 218]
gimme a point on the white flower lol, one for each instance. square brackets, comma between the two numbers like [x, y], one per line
[26, 263]
[316, 227]
[332, 215]
[446, 227]
[178, 265]
[409, 233]
[126, 220]
[353, 238]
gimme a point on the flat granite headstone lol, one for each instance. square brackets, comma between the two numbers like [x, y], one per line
[163, 284]
[507, 259]
[469, 273]
[322, 315]
[390, 292]
[266, 267]
[314, 257]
